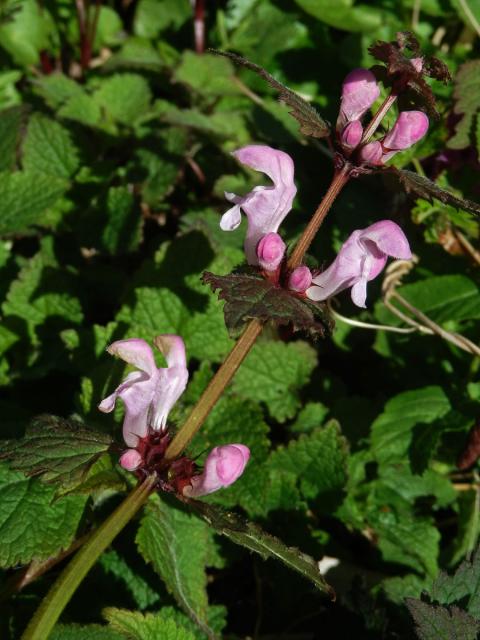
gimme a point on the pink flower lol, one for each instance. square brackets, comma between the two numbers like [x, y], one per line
[359, 92]
[270, 251]
[300, 279]
[409, 128]
[371, 153]
[352, 134]
[223, 466]
[131, 459]
[150, 393]
[265, 207]
[361, 258]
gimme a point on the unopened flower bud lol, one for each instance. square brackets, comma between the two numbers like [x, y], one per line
[270, 251]
[371, 153]
[130, 460]
[417, 64]
[300, 279]
[352, 134]
[223, 466]
[409, 128]
[359, 92]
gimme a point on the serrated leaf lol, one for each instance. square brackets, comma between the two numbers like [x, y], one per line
[391, 432]
[115, 565]
[467, 96]
[48, 148]
[124, 97]
[463, 587]
[12, 122]
[40, 291]
[311, 123]
[151, 626]
[176, 543]
[318, 460]
[422, 187]
[433, 622]
[248, 296]
[32, 524]
[250, 535]
[60, 451]
[274, 372]
[207, 74]
[344, 14]
[24, 198]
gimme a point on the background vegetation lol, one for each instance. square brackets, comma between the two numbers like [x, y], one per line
[114, 155]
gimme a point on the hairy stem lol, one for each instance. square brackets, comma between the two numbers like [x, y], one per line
[340, 179]
[215, 389]
[49, 611]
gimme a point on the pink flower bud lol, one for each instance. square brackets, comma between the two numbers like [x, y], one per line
[300, 279]
[359, 92]
[130, 460]
[270, 251]
[417, 64]
[352, 134]
[223, 466]
[371, 153]
[409, 128]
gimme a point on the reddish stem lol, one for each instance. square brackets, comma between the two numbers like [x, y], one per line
[199, 26]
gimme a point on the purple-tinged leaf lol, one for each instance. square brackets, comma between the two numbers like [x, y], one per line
[434, 622]
[311, 122]
[59, 451]
[248, 295]
[422, 187]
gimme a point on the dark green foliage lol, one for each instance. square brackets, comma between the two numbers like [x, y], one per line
[114, 158]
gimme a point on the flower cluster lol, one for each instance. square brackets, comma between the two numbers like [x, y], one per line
[149, 394]
[365, 252]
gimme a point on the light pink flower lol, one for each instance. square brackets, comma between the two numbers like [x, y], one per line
[361, 258]
[265, 207]
[223, 466]
[409, 128]
[300, 279]
[270, 251]
[371, 153]
[150, 393]
[131, 459]
[359, 92]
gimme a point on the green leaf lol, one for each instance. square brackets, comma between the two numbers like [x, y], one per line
[11, 124]
[81, 632]
[177, 544]
[25, 197]
[48, 148]
[318, 460]
[124, 97]
[32, 524]
[274, 372]
[434, 622]
[207, 74]
[154, 16]
[27, 33]
[467, 96]
[249, 296]
[121, 231]
[311, 415]
[391, 433]
[57, 88]
[61, 452]
[114, 564]
[463, 587]
[344, 14]
[250, 535]
[151, 626]
[42, 291]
